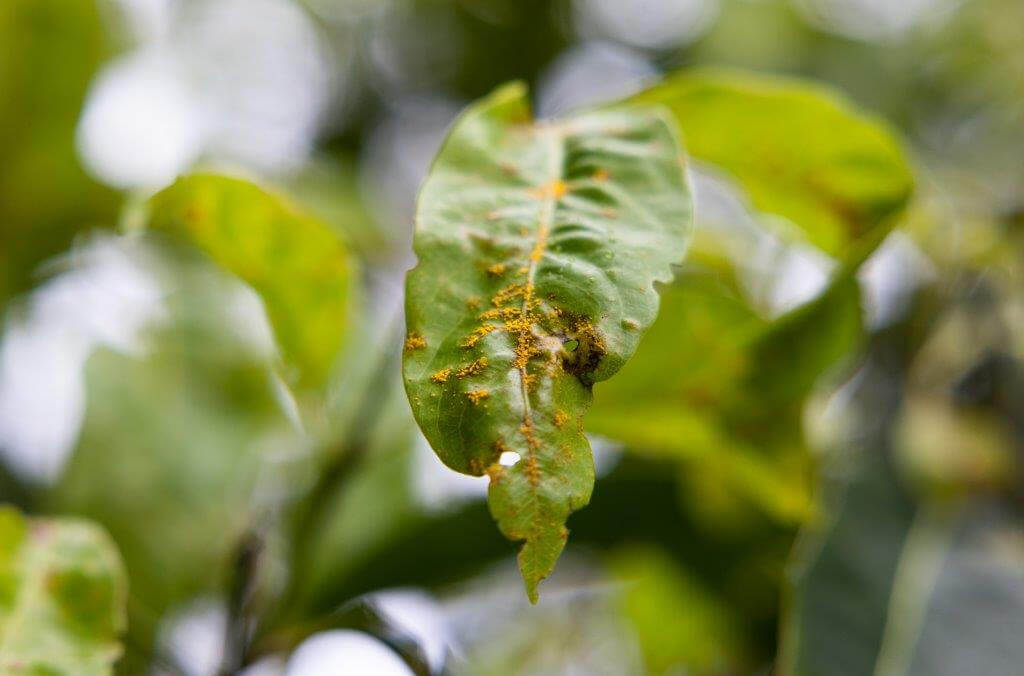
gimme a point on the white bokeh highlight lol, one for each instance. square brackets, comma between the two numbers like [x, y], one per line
[107, 297]
[343, 651]
[140, 126]
[649, 24]
[238, 82]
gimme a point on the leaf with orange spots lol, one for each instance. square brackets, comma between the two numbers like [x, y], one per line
[539, 247]
[62, 596]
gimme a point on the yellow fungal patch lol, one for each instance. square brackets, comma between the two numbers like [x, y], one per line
[507, 294]
[529, 380]
[541, 246]
[561, 417]
[441, 376]
[414, 341]
[476, 396]
[602, 175]
[552, 190]
[472, 368]
[478, 333]
[504, 313]
[496, 270]
[473, 302]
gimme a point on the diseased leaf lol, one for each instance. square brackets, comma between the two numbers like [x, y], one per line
[799, 150]
[539, 245]
[62, 596]
[296, 263]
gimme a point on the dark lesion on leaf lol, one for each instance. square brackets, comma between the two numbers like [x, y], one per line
[583, 347]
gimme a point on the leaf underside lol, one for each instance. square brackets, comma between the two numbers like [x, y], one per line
[62, 596]
[539, 246]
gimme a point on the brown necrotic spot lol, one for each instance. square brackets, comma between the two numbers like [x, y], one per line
[589, 348]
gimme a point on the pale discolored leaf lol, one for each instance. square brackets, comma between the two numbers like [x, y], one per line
[62, 596]
[539, 245]
[297, 264]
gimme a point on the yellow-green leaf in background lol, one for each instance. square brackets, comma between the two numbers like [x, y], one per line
[800, 151]
[62, 596]
[297, 264]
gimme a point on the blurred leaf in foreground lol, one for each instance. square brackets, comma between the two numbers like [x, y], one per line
[62, 596]
[297, 264]
[539, 246]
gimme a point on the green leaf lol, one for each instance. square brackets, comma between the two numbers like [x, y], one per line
[297, 264]
[62, 596]
[539, 245]
[800, 151]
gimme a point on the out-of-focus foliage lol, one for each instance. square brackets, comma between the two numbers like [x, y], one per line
[539, 246]
[919, 556]
[62, 596]
[208, 439]
[717, 384]
[680, 624]
[297, 264]
[799, 151]
[49, 51]
[788, 392]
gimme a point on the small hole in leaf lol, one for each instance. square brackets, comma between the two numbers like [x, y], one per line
[509, 458]
[571, 345]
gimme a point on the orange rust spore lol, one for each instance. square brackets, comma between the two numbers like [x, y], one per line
[472, 368]
[552, 190]
[479, 332]
[414, 341]
[476, 396]
[441, 376]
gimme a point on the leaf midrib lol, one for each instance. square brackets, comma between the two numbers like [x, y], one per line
[554, 139]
